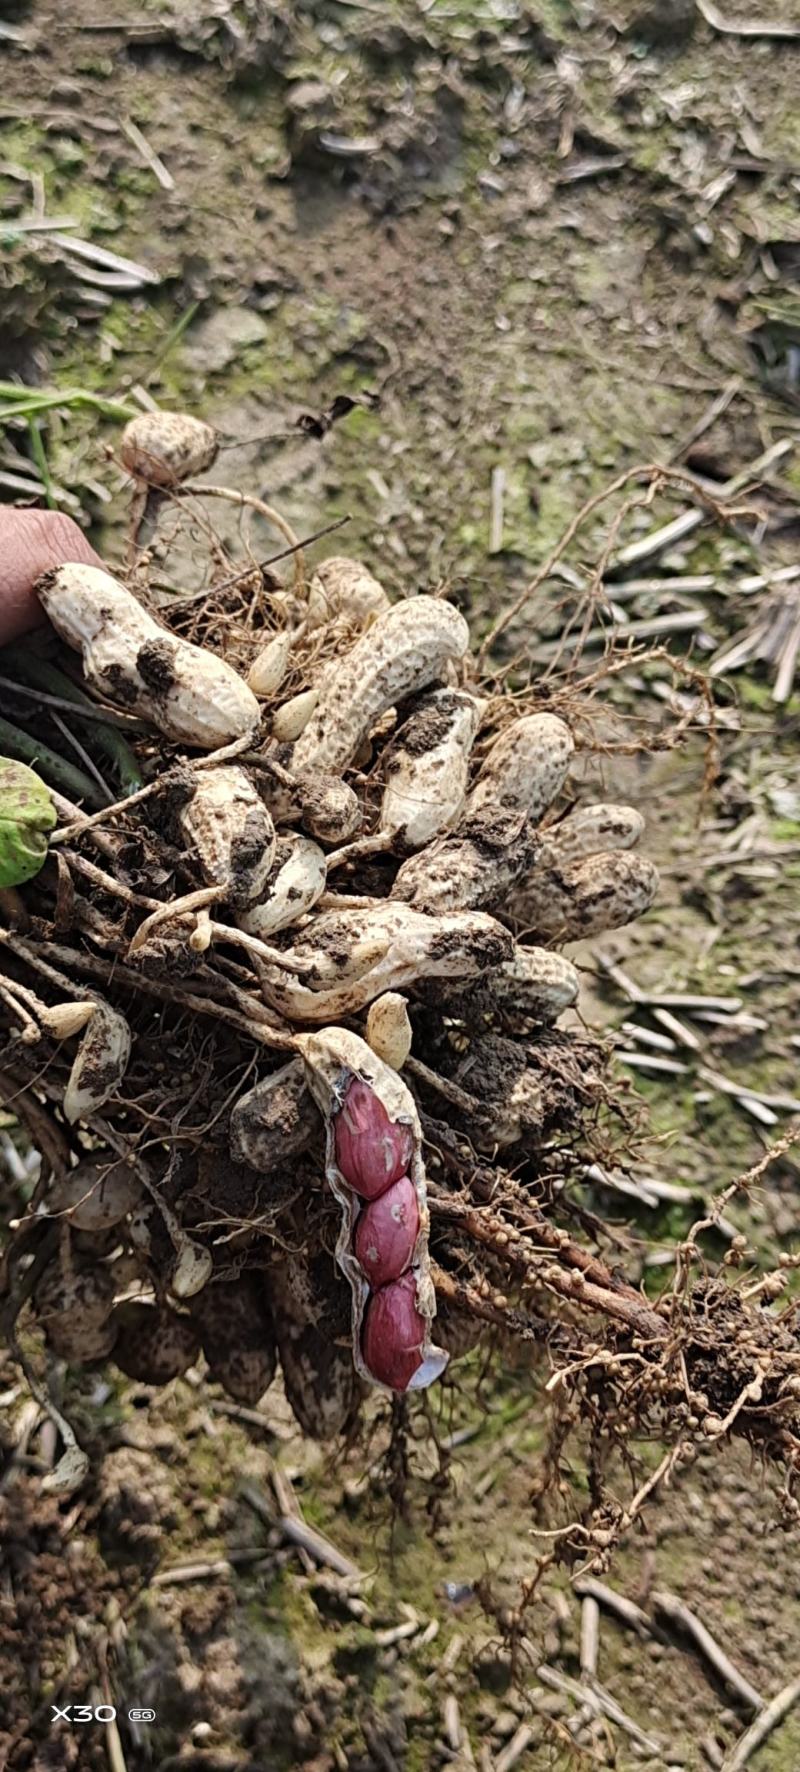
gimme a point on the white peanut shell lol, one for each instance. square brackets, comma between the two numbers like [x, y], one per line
[191, 696]
[402, 652]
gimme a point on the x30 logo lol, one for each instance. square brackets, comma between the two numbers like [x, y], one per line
[83, 1713]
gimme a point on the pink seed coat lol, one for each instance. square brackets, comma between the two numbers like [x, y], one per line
[394, 1333]
[386, 1233]
[372, 1151]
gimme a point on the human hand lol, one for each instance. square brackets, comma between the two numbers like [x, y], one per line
[31, 542]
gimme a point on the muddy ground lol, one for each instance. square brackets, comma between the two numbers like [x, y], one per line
[534, 246]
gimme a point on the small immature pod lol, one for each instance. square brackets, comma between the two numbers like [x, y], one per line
[586, 897]
[275, 1120]
[404, 650]
[525, 768]
[296, 881]
[269, 666]
[329, 808]
[74, 1310]
[229, 829]
[389, 1029]
[99, 1064]
[374, 1143]
[342, 587]
[292, 717]
[62, 1020]
[427, 767]
[472, 869]
[164, 448]
[591, 830]
[191, 1269]
[191, 696]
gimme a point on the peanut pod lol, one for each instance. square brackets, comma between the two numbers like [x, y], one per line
[96, 1195]
[322, 1385]
[276, 1119]
[152, 1343]
[534, 982]
[591, 830]
[230, 830]
[342, 588]
[374, 1144]
[237, 1337]
[472, 869]
[401, 653]
[584, 898]
[296, 881]
[525, 768]
[164, 448]
[462, 945]
[190, 695]
[427, 767]
[99, 1064]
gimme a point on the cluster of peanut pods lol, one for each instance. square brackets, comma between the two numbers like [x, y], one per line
[387, 827]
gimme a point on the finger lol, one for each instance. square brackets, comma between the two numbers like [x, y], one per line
[31, 542]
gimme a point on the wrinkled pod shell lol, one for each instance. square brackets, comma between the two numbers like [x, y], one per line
[404, 650]
[164, 448]
[228, 827]
[374, 1142]
[190, 695]
[427, 767]
[342, 587]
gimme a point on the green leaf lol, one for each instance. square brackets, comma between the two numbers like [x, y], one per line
[27, 814]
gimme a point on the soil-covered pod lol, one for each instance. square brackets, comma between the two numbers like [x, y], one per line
[96, 1195]
[329, 808]
[165, 448]
[27, 815]
[335, 948]
[471, 870]
[153, 1344]
[344, 588]
[496, 1071]
[460, 946]
[373, 1140]
[427, 768]
[191, 696]
[591, 830]
[534, 982]
[274, 1120]
[404, 650]
[99, 1064]
[312, 1330]
[270, 665]
[525, 768]
[389, 1030]
[237, 1335]
[295, 882]
[78, 1342]
[584, 898]
[228, 828]
[77, 1294]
